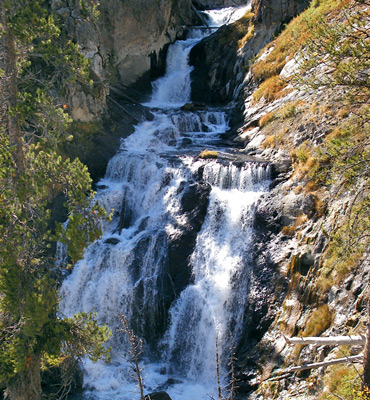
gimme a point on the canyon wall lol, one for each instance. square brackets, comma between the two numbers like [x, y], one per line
[304, 288]
[126, 45]
[222, 60]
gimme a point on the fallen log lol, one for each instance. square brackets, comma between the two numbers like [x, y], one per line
[200, 16]
[351, 359]
[122, 108]
[331, 340]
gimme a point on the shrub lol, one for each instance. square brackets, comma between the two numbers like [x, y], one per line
[342, 382]
[247, 37]
[237, 31]
[291, 229]
[274, 140]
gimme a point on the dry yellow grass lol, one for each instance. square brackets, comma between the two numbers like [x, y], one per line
[271, 89]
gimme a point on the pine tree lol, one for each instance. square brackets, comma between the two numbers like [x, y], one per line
[32, 174]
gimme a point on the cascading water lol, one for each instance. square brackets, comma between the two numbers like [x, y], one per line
[174, 258]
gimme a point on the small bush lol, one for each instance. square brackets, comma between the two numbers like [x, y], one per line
[302, 153]
[291, 229]
[288, 230]
[288, 111]
[247, 37]
[311, 186]
[274, 140]
[236, 32]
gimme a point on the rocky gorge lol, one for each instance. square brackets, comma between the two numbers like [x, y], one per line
[294, 288]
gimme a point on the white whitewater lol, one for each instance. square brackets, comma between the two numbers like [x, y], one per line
[120, 272]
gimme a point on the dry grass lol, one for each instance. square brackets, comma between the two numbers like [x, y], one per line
[343, 113]
[335, 270]
[235, 33]
[247, 37]
[274, 140]
[311, 186]
[266, 119]
[320, 320]
[343, 382]
[293, 38]
[271, 89]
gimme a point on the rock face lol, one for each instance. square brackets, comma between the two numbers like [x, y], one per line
[194, 203]
[221, 60]
[126, 27]
[126, 45]
[158, 396]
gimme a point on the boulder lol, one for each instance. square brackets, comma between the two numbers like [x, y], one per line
[158, 396]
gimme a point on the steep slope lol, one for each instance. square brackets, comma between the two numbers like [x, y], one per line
[311, 120]
[221, 61]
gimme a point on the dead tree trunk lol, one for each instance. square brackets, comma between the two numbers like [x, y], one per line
[331, 340]
[344, 360]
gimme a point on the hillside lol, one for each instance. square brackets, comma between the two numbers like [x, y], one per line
[304, 102]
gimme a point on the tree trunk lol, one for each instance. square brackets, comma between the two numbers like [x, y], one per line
[27, 384]
[11, 89]
[366, 375]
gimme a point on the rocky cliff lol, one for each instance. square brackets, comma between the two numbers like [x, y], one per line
[221, 61]
[310, 279]
[126, 45]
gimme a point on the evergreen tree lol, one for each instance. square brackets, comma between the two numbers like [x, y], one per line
[32, 173]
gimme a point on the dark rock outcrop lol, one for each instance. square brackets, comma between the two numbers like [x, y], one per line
[220, 65]
[150, 321]
[194, 203]
[158, 396]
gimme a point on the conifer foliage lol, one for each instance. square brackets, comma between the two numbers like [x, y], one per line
[37, 61]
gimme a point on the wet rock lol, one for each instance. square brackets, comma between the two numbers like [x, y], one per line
[194, 203]
[308, 205]
[113, 241]
[158, 396]
[209, 4]
[193, 107]
[186, 141]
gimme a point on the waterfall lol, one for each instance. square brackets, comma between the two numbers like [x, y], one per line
[174, 258]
